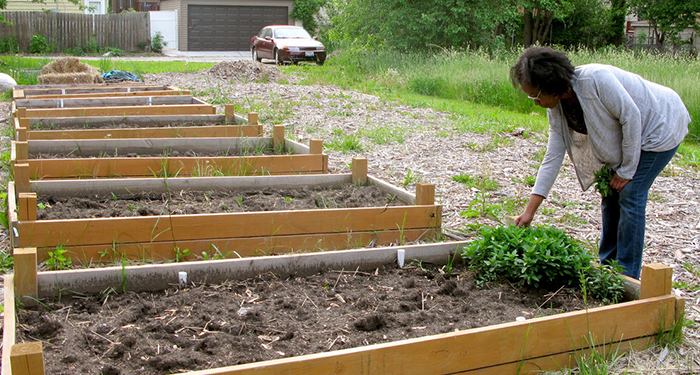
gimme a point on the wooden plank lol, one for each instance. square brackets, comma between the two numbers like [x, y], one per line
[110, 94]
[458, 352]
[27, 358]
[98, 231]
[164, 132]
[21, 150]
[315, 146]
[26, 275]
[562, 361]
[9, 324]
[174, 109]
[157, 277]
[111, 122]
[229, 112]
[175, 166]
[22, 134]
[83, 148]
[656, 280]
[359, 171]
[237, 247]
[120, 186]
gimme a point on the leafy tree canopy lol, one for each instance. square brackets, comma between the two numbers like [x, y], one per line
[667, 17]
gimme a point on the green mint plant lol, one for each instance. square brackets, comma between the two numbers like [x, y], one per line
[541, 257]
[602, 181]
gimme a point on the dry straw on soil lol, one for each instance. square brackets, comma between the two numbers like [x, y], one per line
[68, 70]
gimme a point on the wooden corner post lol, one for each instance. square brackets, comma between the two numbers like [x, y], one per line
[252, 118]
[21, 150]
[229, 113]
[315, 146]
[656, 280]
[25, 275]
[27, 358]
[278, 137]
[26, 207]
[359, 171]
[21, 177]
[425, 194]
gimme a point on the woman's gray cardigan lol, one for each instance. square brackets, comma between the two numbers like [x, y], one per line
[624, 114]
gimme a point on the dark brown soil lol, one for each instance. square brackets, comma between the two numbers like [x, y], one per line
[200, 202]
[210, 326]
[155, 153]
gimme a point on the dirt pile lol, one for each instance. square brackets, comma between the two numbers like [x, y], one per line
[245, 71]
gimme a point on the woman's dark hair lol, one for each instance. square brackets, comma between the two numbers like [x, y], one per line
[543, 68]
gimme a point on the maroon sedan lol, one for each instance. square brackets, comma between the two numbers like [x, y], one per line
[287, 43]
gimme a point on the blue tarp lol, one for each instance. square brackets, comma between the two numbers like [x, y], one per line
[119, 76]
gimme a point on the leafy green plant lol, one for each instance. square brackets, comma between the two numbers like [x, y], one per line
[7, 262]
[345, 143]
[181, 254]
[541, 257]
[58, 260]
[602, 181]
[9, 45]
[40, 46]
[158, 42]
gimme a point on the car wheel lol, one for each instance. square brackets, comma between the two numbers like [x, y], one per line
[255, 55]
[320, 61]
[278, 58]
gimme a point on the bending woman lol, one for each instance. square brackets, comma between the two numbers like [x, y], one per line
[603, 116]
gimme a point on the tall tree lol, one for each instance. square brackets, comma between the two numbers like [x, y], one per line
[538, 16]
[667, 18]
[618, 12]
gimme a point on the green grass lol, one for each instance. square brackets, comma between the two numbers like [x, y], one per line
[25, 70]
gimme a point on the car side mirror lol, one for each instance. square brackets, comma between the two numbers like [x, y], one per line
[314, 37]
[268, 38]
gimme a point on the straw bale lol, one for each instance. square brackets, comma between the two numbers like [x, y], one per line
[68, 70]
[69, 78]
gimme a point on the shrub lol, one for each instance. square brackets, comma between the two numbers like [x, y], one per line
[39, 45]
[158, 43]
[541, 257]
[9, 45]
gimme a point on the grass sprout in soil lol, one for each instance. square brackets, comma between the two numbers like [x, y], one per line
[269, 317]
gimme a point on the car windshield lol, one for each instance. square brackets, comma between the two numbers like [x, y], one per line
[292, 32]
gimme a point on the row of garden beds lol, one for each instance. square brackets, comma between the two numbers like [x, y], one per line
[91, 127]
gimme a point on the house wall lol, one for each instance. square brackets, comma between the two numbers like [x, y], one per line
[62, 6]
[181, 7]
[642, 27]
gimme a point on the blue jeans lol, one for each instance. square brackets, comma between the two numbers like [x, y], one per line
[624, 215]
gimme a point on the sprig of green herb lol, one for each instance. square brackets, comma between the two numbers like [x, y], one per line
[602, 181]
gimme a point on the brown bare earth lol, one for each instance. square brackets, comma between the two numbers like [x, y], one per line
[199, 202]
[209, 326]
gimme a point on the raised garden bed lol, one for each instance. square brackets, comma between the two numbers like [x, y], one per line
[110, 106]
[531, 345]
[158, 126]
[160, 237]
[85, 90]
[159, 157]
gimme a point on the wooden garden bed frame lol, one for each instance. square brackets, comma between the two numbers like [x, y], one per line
[180, 105]
[89, 90]
[232, 234]
[161, 126]
[107, 101]
[523, 347]
[240, 159]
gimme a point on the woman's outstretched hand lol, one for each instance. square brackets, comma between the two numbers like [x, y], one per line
[617, 182]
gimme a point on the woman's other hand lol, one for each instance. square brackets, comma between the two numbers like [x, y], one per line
[617, 182]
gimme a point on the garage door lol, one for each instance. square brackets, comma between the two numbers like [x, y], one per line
[228, 28]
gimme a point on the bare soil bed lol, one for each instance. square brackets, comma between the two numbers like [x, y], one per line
[210, 326]
[199, 202]
[157, 153]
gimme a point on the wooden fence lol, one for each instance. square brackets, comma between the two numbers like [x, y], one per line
[127, 31]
